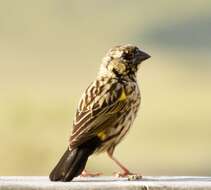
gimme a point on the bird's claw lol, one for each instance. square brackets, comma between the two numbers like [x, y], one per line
[90, 174]
[130, 176]
[134, 177]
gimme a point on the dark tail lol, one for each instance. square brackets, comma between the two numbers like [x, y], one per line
[74, 161]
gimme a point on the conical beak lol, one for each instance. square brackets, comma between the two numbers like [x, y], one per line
[144, 56]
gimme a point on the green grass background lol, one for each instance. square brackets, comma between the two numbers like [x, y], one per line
[51, 50]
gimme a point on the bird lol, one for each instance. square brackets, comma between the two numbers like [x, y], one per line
[105, 112]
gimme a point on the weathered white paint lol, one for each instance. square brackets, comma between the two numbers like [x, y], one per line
[105, 182]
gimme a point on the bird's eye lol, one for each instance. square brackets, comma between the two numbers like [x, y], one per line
[127, 56]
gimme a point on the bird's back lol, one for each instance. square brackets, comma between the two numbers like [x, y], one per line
[107, 109]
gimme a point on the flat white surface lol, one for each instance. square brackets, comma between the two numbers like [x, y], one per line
[105, 182]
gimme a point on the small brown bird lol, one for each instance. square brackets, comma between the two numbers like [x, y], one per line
[105, 112]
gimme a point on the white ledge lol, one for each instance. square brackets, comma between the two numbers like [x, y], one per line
[105, 182]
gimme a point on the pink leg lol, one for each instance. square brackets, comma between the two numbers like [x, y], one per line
[125, 172]
[85, 173]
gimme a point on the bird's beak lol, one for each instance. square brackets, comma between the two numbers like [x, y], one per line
[144, 56]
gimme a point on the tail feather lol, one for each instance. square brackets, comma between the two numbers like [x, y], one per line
[73, 161]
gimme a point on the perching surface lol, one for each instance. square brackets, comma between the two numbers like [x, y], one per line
[105, 182]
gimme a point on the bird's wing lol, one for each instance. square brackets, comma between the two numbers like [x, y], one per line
[98, 108]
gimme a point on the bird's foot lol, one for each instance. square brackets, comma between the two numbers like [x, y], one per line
[129, 175]
[85, 173]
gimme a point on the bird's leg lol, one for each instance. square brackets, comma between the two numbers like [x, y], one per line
[85, 173]
[126, 172]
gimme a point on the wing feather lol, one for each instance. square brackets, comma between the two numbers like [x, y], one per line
[99, 106]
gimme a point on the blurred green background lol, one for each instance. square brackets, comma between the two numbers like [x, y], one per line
[51, 50]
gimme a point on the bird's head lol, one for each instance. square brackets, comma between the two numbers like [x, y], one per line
[123, 60]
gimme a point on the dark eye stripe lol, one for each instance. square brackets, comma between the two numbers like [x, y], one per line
[127, 56]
